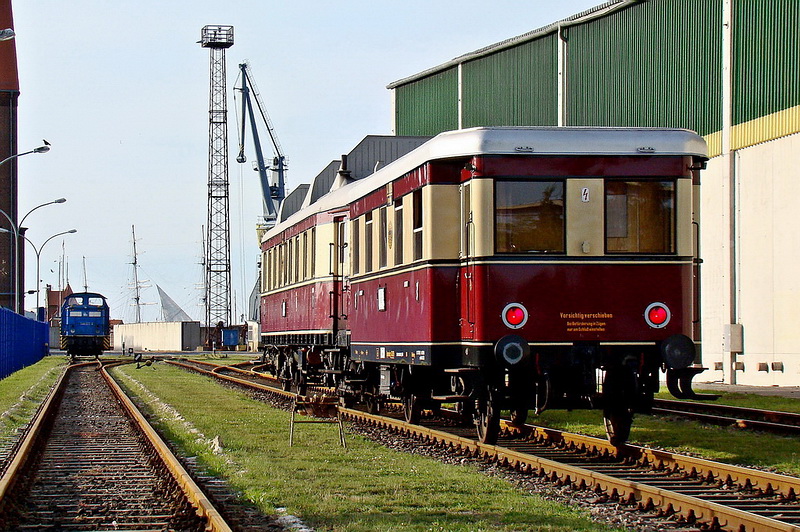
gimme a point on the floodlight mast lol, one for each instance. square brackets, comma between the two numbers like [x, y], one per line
[273, 194]
[217, 39]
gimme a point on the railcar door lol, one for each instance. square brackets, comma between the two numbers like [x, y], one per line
[339, 262]
[467, 270]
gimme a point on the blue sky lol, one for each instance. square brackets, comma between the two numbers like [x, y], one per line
[120, 90]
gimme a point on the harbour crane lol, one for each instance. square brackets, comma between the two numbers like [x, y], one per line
[273, 191]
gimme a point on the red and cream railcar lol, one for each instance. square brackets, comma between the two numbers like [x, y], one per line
[518, 268]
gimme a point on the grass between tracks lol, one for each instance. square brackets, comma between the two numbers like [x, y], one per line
[22, 392]
[724, 444]
[367, 487]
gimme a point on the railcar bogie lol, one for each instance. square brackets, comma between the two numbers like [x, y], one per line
[514, 269]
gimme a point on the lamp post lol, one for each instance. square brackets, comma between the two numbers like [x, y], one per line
[41, 149]
[15, 235]
[59, 200]
[44, 148]
[15, 232]
[39, 255]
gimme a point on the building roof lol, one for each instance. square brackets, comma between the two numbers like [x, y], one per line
[585, 16]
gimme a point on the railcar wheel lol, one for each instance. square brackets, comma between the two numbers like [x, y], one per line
[412, 408]
[519, 416]
[618, 425]
[466, 412]
[285, 375]
[346, 401]
[619, 392]
[372, 403]
[487, 417]
[299, 382]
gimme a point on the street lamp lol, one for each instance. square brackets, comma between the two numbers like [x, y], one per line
[6, 34]
[15, 231]
[59, 200]
[38, 257]
[41, 149]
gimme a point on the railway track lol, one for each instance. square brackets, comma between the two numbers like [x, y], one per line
[731, 416]
[700, 493]
[89, 461]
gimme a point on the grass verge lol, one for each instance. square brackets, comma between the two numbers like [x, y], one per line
[22, 392]
[365, 488]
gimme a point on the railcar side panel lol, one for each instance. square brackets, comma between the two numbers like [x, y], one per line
[305, 309]
[394, 317]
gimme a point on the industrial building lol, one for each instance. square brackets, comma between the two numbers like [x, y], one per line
[727, 69]
[157, 336]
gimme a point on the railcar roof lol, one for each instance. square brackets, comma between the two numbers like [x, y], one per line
[575, 141]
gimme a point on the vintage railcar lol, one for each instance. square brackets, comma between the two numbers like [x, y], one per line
[85, 329]
[496, 268]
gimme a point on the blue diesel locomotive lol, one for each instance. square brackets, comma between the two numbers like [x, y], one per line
[84, 325]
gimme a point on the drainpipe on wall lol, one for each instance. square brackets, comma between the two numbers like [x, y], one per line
[733, 333]
[562, 76]
[460, 96]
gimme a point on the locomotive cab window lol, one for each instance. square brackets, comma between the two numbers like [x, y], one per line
[640, 217]
[529, 216]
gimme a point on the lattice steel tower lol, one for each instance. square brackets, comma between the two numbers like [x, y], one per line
[218, 256]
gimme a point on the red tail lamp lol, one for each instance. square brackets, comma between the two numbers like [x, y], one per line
[657, 315]
[515, 315]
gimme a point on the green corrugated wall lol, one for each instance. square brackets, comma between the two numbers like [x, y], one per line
[513, 87]
[766, 58]
[428, 106]
[654, 63]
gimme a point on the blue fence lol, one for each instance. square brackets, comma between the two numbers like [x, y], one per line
[22, 341]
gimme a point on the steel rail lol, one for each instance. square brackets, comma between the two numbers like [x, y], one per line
[692, 508]
[216, 523]
[734, 416]
[29, 447]
[25, 450]
[186, 364]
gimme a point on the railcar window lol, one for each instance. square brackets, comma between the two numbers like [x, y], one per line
[313, 250]
[398, 232]
[529, 216]
[383, 239]
[342, 244]
[368, 242]
[95, 302]
[640, 216]
[305, 255]
[297, 257]
[355, 257]
[417, 214]
[290, 262]
[271, 278]
[282, 273]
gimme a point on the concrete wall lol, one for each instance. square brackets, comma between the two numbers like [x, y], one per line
[750, 275]
[158, 336]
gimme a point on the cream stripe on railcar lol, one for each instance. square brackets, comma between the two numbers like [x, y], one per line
[509, 141]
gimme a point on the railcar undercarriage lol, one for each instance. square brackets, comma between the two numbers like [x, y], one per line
[583, 377]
